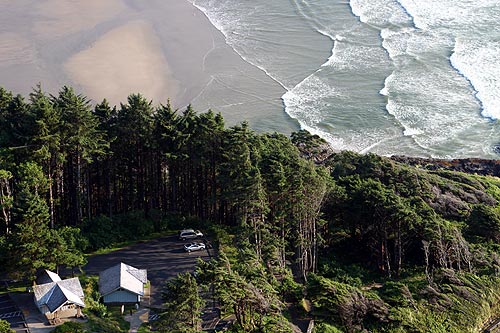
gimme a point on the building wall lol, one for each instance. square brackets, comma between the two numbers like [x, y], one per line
[121, 296]
[66, 311]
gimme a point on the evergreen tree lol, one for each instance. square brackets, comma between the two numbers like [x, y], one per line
[133, 149]
[182, 305]
[16, 128]
[5, 100]
[243, 289]
[166, 135]
[67, 245]
[30, 239]
[102, 172]
[81, 141]
[6, 200]
[46, 142]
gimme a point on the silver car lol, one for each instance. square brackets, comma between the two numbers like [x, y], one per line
[190, 234]
[194, 247]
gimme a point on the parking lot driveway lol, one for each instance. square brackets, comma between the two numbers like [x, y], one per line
[34, 319]
[12, 314]
[164, 258]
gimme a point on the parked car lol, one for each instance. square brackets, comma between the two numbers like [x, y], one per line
[194, 247]
[190, 234]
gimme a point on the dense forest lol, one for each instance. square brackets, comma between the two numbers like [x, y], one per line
[356, 242]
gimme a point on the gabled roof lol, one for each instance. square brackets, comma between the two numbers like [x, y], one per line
[122, 276]
[56, 294]
[47, 276]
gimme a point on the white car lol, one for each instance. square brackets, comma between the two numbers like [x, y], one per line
[189, 234]
[194, 247]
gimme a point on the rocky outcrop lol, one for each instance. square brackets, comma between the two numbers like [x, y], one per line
[468, 165]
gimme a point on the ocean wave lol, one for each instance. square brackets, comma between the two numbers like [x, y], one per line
[416, 22]
[304, 100]
[474, 55]
[426, 101]
[423, 102]
[221, 23]
[298, 102]
[479, 63]
[380, 13]
[385, 90]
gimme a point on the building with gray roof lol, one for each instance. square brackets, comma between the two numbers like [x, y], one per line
[58, 298]
[122, 284]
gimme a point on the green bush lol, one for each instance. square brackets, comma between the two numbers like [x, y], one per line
[5, 327]
[107, 325]
[92, 297]
[133, 225]
[69, 327]
[101, 232]
[289, 288]
[326, 328]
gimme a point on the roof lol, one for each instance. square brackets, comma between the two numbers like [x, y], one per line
[56, 294]
[122, 276]
[47, 276]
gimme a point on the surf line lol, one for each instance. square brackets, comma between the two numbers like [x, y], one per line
[288, 90]
[454, 63]
[410, 15]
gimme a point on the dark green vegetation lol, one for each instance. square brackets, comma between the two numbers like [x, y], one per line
[356, 242]
[5, 327]
[69, 327]
[183, 305]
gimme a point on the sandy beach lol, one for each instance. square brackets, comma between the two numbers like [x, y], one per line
[128, 57]
[163, 49]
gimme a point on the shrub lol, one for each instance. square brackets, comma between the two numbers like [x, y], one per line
[69, 327]
[101, 232]
[5, 327]
[92, 297]
[325, 328]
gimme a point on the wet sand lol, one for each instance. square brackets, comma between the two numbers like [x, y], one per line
[128, 59]
[164, 49]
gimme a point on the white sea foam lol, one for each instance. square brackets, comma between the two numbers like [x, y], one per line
[225, 23]
[479, 62]
[476, 51]
[434, 104]
[395, 41]
[459, 16]
[379, 12]
[312, 91]
[385, 90]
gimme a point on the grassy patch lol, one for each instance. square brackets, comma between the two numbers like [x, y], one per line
[15, 287]
[108, 324]
[122, 245]
[144, 328]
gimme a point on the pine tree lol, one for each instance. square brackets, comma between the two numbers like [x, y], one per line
[102, 169]
[164, 133]
[81, 141]
[46, 142]
[31, 236]
[182, 305]
[6, 200]
[133, 150]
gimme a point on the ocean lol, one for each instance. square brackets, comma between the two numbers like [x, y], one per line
[405, 77]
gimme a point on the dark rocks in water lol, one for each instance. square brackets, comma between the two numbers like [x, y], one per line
[496, 148]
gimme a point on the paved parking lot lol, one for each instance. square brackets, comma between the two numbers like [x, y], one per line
[164, 258]
[11, 313]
